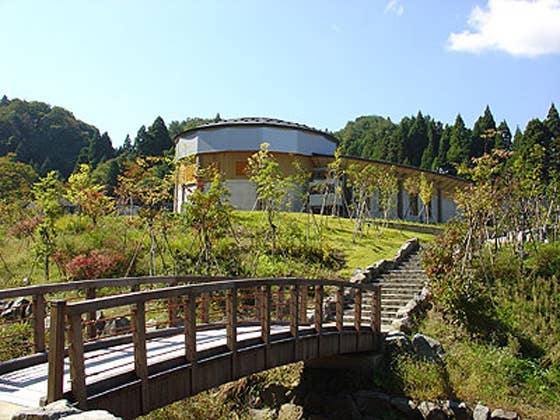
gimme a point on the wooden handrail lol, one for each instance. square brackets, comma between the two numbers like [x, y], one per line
[168, 292]
[70, 314]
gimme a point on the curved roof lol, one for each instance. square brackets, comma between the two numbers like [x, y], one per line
[259, 122]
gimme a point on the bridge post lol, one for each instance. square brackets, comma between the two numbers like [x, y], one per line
[140, 354]
[357, 315]
[91, 330]
[294, 317]
[204, 306]
[318, 315]
[231, 328]
[189, 302]
[76, 355]
[172, 304]
[265, 322]
[39, 308]
[303, 305]
[339, 314]
[56, 351]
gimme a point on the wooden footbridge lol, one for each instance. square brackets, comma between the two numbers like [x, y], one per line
[162, 339]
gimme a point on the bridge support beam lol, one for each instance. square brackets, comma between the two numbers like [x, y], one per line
[56, 351]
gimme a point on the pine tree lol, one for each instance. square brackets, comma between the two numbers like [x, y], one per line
[481, 143]
[552, 124]
[502, 140]
[517, 139]
[4, 101]
[459, 143]
[417, 140]
[100, 149]
[440, 163]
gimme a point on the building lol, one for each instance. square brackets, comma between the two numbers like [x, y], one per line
[227, 144]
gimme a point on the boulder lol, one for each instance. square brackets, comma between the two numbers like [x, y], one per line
[262, 414]
[404, 324]
[406, 408]
[93, 415]
[53, 411]
[396, 341]
[431, 411]
[459, 410]
[427, 347]
[481, 412]
[274, 395]
[372, 403]
[499, 414]
[117, 326]
[290, 411]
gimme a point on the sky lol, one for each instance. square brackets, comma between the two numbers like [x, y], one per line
[120, 64]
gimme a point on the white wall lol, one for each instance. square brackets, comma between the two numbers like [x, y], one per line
[284, 140]
[242, 193]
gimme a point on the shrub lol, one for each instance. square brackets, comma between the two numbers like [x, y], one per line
[96, 264]
[25, 228]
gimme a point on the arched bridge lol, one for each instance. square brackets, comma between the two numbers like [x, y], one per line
[155, 345]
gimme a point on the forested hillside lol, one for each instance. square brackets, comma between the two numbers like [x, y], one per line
[51, 138]
[423, 142]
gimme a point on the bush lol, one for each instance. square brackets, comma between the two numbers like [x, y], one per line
[97, 264]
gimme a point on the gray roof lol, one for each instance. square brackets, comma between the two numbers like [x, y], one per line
[259, 121]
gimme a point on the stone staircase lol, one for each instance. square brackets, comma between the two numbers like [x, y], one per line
[398, 286]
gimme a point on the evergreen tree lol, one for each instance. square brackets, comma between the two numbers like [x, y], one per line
[552, 124]
[481, 143]
[440, 163]
[417, 140]
[141, 141]
[517, 139]
[154, 141]
[459, 143]
[4, 101]
[502, 139]
[100, 149]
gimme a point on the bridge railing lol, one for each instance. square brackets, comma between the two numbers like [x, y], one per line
[293, 306]
[34, 307]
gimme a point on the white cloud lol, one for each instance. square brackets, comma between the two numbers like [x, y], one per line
[394, 6]
[518, 27]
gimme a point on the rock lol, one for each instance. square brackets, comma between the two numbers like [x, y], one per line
[290, 411]
[431, 411]
[481, 412]
[52, 411]
[460, 411]
[93, 415]
[427, 347]
[403, 324]
[396, 341]
[117, 326]
[262, 414]
[406, 407]
[499, 414]
[341, 407]
[274, 395]
[372, 402]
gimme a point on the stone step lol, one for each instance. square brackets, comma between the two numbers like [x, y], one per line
[394, 286]
[394, 302]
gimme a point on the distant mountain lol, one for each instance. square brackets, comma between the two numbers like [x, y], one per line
[49, 137]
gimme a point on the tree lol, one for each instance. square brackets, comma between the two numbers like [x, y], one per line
[459, 142]
[480, 143]
[209, 213]
[47, 192]
[440, 163]
[387, 188]
[100, 149]
[425, 191]
[264, 171]
[363, 179]
[148, 182]
[89, 197]
[154, 141]
[502, 139]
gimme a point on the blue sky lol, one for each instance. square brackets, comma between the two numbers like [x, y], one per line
[119, 64]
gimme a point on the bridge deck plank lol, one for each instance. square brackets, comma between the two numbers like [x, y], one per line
[27, 386]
